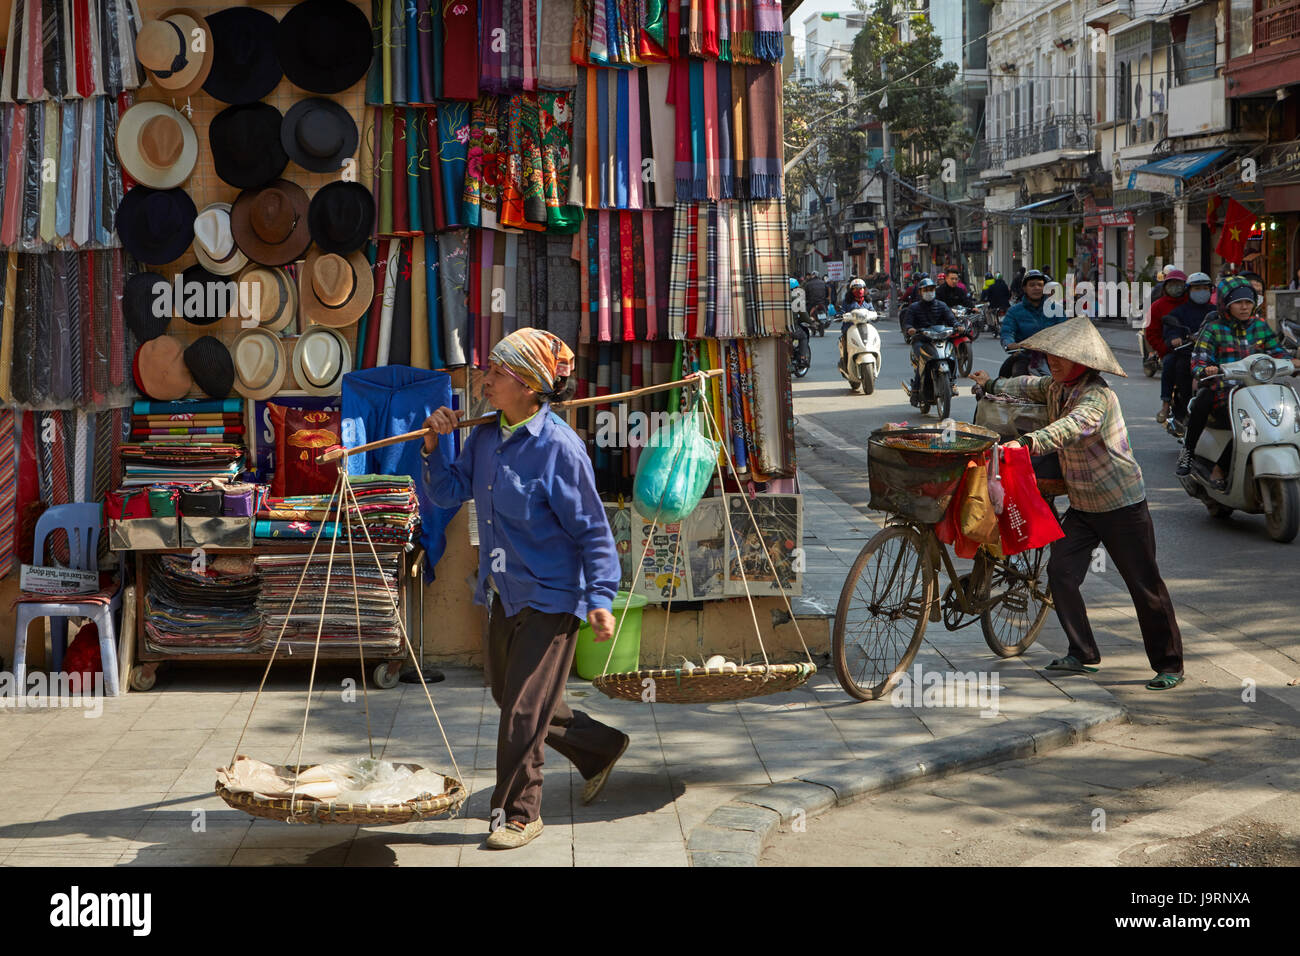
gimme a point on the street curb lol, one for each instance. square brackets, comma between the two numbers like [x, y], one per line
[736, 833]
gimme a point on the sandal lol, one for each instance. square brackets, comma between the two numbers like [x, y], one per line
[1072, 665]
[1164, 681]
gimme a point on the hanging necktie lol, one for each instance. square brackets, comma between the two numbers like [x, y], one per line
[77, 322]
[66, 169]
[52, 47]
[8, 488]
[116, 286]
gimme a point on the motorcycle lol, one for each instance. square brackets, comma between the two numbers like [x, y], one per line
[821, 319]
[1289, 333]
[800, 346]
[963, 335]
[1023, 362]
[988, 319]
[859, 362]
[1263, 473]
[936, 366]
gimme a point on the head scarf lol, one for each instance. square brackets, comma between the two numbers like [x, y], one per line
[1232, 289]
[537, 357]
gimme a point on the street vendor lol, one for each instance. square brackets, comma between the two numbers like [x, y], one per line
[1107, 495]
[547, 560]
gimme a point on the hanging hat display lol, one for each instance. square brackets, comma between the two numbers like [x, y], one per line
[210, 364]
[245, 67]
[139, 295]
[260, 364]
[1078, 341]
[341, 217]
[214, 243]
[321, 357]
[319, 134]
[276, 302]
[160, 370]
[166, 49]
[335, 290]
[206, 298]
[325, 46]
[156, 145]
[156, 225]
[270, 224]
[245, 141]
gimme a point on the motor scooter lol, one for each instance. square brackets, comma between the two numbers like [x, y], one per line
[859, 362]
[963, 335]
[1262, 446]
[936, 365]
[1289, 333]
[1151, 359]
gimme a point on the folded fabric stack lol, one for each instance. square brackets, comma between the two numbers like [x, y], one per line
[390, 511]
[328, 600]
[212, 611]
[186, 442]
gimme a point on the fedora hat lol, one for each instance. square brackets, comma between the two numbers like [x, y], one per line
[260, 364]
[156, 145]
[244, 65]
[210, 364]
[160, 371]
[245, 141]
[139, 293]
[206, 298]
[341, 217]
[318, 134]
[321, 357]
[165, 48]
[325, 46]
[214, 243]
[277, 297]
[270, 224]
[156, 225]
[335, 290]
[1078, 341]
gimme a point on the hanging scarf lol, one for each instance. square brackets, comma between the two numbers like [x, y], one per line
[400, 198]
[557, 131]
[474, 173]
[726, 165]
[598, 39]
[460, 68]
[593, 164]
[765, 159]
[768, 44]
[493, 41]
[724, 31]
[650, 275]
[638, 263]
[576, 187]
[739, 134]
[635, 150]
[411, 124]
[699, 149]
[711, 271]
[585, 243]
[710, 28]
[453, 147]
[513, 58]
[619, 197]
[385, 167]
[529, 18]
[397, 50]
[712, 161]
[451, 269]
[603, 279]
[722, 265]
[555, 67]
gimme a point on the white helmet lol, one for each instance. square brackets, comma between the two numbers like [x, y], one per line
[857, 284]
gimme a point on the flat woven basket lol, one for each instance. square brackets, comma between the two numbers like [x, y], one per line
[309, 810]
[672, 685]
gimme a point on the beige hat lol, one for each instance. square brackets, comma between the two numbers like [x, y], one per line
[160, 371]
[156, 145]
[1077, 340]
[260, 364]
[335, 290]
[321, 357]
[277, 301]
[165, 48]
[214, 243]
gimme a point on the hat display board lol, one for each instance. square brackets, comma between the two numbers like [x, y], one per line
[205, 187]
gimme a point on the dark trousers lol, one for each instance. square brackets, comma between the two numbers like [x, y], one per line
[1198, 414]
[529, 656]
[1168, 376]
[1183, 386]
[1130, 542]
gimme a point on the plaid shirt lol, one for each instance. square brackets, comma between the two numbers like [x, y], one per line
[1224, 339]
[1087, 429]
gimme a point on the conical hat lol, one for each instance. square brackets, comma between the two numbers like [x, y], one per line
[1077, 340]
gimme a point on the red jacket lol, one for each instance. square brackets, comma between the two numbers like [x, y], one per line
[1155, 329]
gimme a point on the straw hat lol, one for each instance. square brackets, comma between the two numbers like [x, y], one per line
[214, 243]
[156, 145]
[321, 357]
[260, 364]
[160, 370]
[335, 290]
[1077, 340]
[165, 48]
[277, 297]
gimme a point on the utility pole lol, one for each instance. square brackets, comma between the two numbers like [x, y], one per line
[887, 161]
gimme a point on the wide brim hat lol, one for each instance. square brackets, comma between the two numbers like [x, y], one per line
[156, 145]
[206, 308]
[214, 243]
[210, 364]
[138, 306]
[245, 67]
[156, 225]
[165, 48]
[160, 370]
[321, 357]
[260, 364]
[1078, 341]
[334, 290]
[270, 224]
[319, 134]
[277, 298]
[325, 46]
[246, 149]
[341, 217]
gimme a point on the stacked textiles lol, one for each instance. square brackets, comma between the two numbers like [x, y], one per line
[329, 601]
[186, 442]
[212, 611]
[389, 507]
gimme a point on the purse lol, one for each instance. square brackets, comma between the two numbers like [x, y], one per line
[237, 501]
[201, 502]
[162, 502]
[127, 503]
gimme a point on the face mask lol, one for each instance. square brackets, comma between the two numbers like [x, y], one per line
[928, 295]
[1200, 296]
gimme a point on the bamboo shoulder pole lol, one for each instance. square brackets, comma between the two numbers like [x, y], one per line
[337, 453]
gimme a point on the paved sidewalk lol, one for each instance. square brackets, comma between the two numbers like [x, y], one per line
[135, 786]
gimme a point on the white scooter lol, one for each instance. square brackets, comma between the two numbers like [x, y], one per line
[1263, 475]
[859, 362]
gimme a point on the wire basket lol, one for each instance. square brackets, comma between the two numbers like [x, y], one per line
[915, 471]
[673, 685]
[309, 810]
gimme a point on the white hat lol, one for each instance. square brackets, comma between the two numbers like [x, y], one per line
[156, 145]
[321, 357]
[214, 243]
[259, 364]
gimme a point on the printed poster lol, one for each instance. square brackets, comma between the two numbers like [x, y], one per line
[765, 551]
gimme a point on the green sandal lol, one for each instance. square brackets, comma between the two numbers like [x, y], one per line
[1164, 681]
[1072, 665]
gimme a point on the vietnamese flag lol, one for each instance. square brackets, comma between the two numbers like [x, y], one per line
[1212, 206]
[1236, 227]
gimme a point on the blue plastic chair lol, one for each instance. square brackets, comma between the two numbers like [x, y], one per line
[82, 522]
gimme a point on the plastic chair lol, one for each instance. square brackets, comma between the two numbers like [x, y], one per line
[82, 523]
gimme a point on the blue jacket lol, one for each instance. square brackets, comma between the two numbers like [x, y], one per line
[542, 530]
[1185, 321]
[1023, 320]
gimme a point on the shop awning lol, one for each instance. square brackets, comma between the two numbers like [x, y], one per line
[1045, 202]
[1167, 175]
[909, 237]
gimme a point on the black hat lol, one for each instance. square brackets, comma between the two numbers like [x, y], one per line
[341, 217]
[325, 46]
[318, 134]
[210, 363]
[218, 291]
[245, 140]
[156, 225]
[138, 300]
[244, 65]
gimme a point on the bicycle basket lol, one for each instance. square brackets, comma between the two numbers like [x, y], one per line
[914, 471]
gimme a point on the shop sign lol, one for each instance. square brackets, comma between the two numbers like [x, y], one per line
[1158, 233]
[984, 236]
[835, 271]
[1131, 263]
[1111, 218]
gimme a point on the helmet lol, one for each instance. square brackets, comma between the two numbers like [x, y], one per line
[1177, 275]
[927, 283]
[988, 275]
[794, 283]
[857, 284]
[1031, 275]
[1199, 278]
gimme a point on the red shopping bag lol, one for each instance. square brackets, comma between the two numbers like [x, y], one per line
[1025, 520]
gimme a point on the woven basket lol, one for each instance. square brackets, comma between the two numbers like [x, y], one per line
[914, 471]
[672, 685]
[309, 810]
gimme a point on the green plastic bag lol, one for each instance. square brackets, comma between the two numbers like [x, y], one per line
[674, 472]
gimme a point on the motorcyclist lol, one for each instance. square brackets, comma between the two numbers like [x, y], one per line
[997, 295]
[953, 293]
[1025, 318]
[910, 293]
[1173, 294]
[815, 288]
[1180, 328]
[923, 314]
[856, 297]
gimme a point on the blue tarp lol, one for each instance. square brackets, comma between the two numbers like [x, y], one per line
[1181, 166]
[909, 236]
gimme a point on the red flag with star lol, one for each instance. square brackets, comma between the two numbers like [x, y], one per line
[1236, 228]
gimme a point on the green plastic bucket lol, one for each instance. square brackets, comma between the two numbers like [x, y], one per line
[590, 657]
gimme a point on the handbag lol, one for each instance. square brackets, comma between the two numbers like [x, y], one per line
[978, 521]
[162, 502]
[201, 503]
[127, 503]
[237, 501]
[1025, 520]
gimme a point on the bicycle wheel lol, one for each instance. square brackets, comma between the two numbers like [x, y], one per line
[883, 609]
[1021, 599]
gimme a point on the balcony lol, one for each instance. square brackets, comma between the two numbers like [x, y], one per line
[1276, 41]
[1072, 132]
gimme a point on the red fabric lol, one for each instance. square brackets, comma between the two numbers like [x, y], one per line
[301, 437]
[376, 308]
[711, 27]
[1236, 228]
[460, 50]
[82, 661]
[1155, 328]
[1025, 521]
[439, 213]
